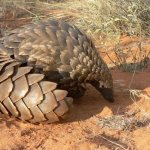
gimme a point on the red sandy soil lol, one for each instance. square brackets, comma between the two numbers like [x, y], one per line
[82, 129]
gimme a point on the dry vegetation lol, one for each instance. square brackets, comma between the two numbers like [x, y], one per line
[106, 22]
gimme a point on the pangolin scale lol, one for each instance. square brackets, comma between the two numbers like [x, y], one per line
[41, 63]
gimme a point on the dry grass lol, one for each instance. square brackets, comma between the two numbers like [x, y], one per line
[124, 122]
[94, 16]
[109, 18]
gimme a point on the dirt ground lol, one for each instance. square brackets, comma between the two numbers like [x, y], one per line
[83, 130]
[93, 123]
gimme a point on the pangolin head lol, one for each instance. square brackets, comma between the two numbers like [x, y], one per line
[104, 84]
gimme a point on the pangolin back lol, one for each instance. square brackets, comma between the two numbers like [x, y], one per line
[61, 52]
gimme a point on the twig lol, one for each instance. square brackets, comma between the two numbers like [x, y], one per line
[27, 10]
[112, 61]
[135, 66]
[112, 142]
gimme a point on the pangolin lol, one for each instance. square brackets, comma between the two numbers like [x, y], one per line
[41, 63]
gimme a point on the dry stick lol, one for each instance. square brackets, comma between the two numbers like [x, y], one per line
[119, 145]
[134, 71]
[26, 10]
[145, 57]
[132, 96]
[20, 18]
[112, 142]
[112, 61]
[118, 57]
[132, 76]
[148, 54]
[140, 52]
[134, 57]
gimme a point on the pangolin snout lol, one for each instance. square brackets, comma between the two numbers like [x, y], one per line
[106, 92]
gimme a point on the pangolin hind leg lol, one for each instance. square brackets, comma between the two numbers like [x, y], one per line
[26, 95]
